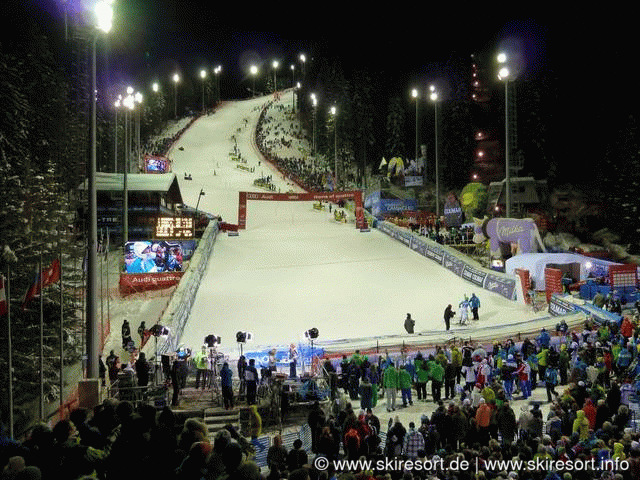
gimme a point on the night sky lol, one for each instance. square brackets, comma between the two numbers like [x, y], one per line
[591, 54]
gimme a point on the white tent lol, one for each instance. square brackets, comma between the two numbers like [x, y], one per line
[536, 263]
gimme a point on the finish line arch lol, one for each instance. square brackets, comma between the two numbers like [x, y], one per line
[355, 195]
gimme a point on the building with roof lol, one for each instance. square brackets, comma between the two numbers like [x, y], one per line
[149, 196]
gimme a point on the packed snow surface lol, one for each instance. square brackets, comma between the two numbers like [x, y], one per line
[294, 267]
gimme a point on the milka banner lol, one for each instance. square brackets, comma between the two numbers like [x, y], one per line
[502, 284]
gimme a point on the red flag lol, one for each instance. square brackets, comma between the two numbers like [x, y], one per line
[3, 298]
[49, 275]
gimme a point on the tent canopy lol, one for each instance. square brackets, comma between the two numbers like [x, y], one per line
[537, 262]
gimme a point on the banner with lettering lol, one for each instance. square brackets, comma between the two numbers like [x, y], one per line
[453, 261]
[139, 282]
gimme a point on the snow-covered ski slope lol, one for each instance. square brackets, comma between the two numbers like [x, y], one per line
[295, 268]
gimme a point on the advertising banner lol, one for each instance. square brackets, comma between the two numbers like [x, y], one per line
[453, 263]
[413, 181]
[558, 306]
[503, 286]
[473, 275]
[282, 356]
[453, 214]
[134, 283]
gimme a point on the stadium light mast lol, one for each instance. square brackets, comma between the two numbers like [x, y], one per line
[176, 80]
[275, 64]
[434, 98]
[334, 113]
[254, 71]
[203, 76]
[103, 10]
[506, 76]
[415, 94]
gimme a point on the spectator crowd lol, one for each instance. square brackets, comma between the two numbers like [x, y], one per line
[588, 378]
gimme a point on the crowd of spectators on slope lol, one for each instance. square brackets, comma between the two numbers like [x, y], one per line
[274, 137]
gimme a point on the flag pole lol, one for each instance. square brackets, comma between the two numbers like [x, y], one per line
[61, 335]
[41, 340]
[10, 353]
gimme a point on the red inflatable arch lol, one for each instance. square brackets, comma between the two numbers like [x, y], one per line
[355, 195]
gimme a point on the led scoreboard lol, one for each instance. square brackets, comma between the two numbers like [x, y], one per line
[174, 227]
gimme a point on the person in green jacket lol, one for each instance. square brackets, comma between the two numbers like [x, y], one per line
[543, 361]
[422, 377]
[456, 361]
[390, 384]
[404, 379]
[436, 375]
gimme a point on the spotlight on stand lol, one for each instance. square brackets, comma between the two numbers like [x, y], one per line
[243, 337]
[158, 330]
[312, 333]
[211, 340]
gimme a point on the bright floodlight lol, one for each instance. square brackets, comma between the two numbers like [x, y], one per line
[104, 15]
[253, 70]
[502, 57]
[203, 73]
[414, 93]
[433, 96]
[155, 87]
[138, 97]
[176, 78]
[503, 74]
[334, 110]
[128, 102]
[275, 64]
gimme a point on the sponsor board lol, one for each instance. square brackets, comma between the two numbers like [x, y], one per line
[140, 282]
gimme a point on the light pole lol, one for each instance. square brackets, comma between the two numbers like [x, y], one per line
[117, 104]
[314, 102]
[203, 76]
[176, 79]
[104, 17]
[275, 66]
[137, 97]
[129, 103]
[217, 71]
[504, 75]
[434, 98]
[415, 94]
[334, 113]
[254, 71]
[303, 59]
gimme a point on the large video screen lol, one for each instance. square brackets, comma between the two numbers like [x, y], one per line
[156, 164]
[155, 256]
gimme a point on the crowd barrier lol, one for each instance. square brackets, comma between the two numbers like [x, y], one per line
[456, 262]
[176, 315]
